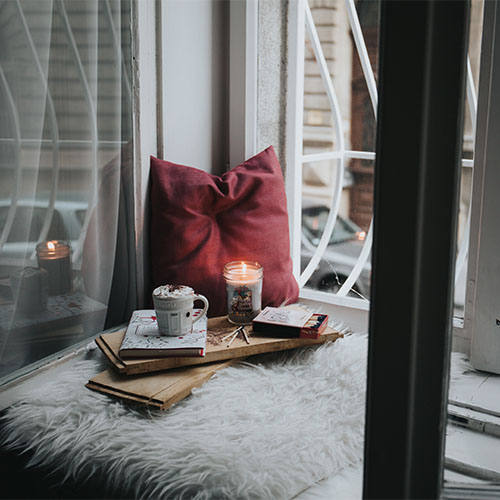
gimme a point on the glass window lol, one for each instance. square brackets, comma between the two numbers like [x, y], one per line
[337, 133]
[473, 430]
[334, 167]
[338, 142]
[65, 139]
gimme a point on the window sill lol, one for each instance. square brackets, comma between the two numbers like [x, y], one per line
[43, 371]
[343, 312]
[12, 392]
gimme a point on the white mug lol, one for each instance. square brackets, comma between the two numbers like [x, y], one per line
[174, 305]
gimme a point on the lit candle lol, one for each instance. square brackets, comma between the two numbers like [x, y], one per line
[54, 257]
[244, 291]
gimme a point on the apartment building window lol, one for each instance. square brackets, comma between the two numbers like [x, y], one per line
[66, 168]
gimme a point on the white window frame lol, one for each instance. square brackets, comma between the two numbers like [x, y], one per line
[147, 124]
[299, 19]
[243, 82]
[346, 310]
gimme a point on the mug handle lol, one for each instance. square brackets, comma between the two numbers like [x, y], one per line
[205, 306]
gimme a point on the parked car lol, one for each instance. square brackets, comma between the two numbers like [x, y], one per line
[340, 255]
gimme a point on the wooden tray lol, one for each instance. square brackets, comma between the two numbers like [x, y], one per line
[216, 350]
[158, 390]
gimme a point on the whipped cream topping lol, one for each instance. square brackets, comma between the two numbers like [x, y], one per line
[166, 291]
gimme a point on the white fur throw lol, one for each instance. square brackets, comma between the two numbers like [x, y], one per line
[260, 431]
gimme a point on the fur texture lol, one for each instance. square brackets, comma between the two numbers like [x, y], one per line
[266, 430]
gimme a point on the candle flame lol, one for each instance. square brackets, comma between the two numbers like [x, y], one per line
[244, 268]
[51, 246]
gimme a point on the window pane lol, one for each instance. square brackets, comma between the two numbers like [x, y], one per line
[473, 430]
[65, 109]
[339, 127]
[345, 241]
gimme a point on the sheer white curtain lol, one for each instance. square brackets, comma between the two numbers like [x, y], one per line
[65, 129]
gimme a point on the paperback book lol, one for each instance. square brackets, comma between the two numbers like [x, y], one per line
[142, 338]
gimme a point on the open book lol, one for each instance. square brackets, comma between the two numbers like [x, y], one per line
[143, 339]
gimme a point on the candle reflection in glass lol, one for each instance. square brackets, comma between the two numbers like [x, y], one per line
[244, 291]
[55, 257]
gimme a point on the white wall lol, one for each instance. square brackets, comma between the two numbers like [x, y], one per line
[195, 83]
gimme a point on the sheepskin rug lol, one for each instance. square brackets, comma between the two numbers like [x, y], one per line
[265, 430]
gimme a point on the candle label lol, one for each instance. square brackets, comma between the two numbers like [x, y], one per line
[241, 301]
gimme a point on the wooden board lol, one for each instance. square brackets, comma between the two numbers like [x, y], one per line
[216, 350]
[159, 390]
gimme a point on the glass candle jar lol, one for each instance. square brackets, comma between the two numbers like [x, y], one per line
[55, 257]
[244, 291]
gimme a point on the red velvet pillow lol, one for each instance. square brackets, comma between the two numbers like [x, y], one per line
[199, 222]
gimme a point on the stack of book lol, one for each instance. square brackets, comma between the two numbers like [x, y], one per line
[155, 370]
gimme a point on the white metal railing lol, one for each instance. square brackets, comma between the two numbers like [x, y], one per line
[363, 53]
[117, 45]
[93, 128]
[372, 90]
[53, 126]
[18, 142]
[17, 153]
[27, 142]
[340, 153]
[337, 118]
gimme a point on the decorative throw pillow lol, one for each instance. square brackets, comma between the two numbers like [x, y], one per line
[199, 222]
